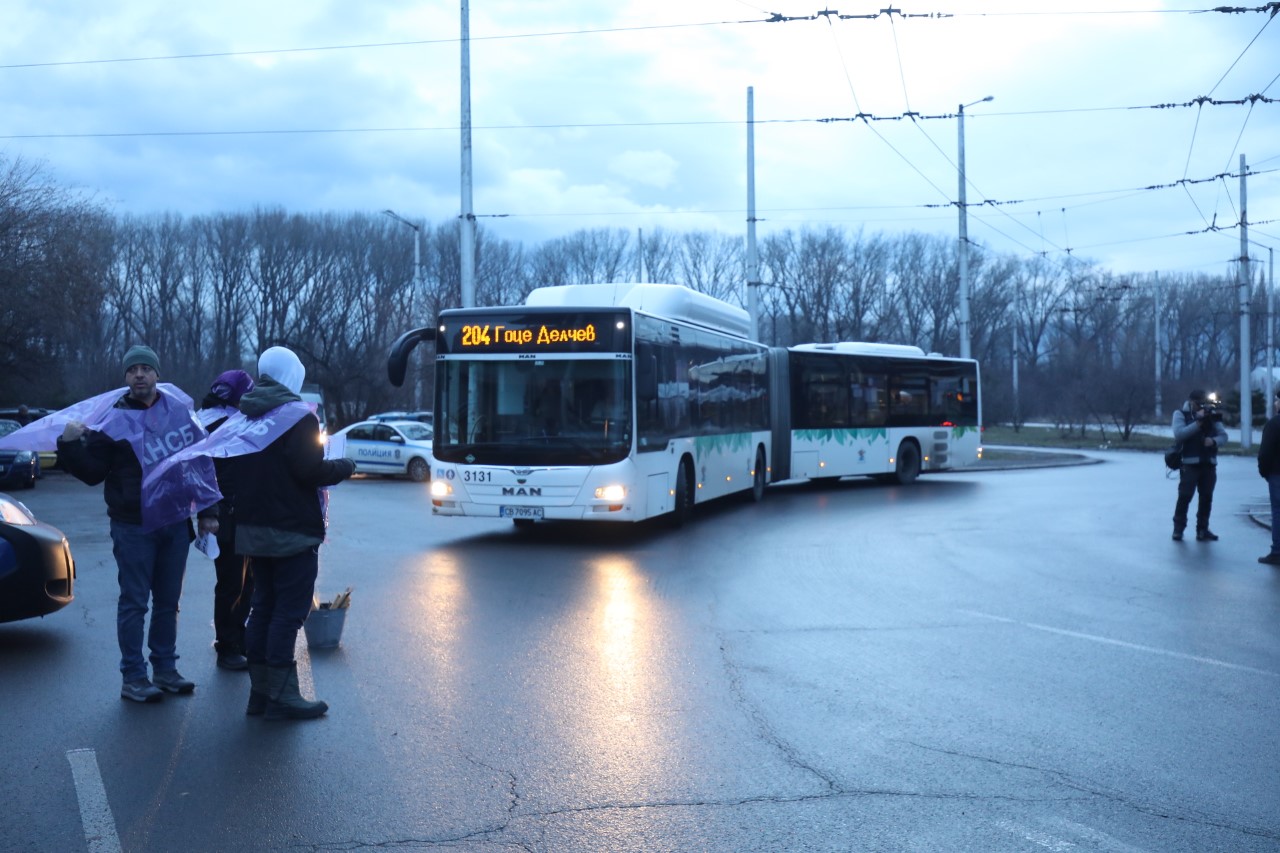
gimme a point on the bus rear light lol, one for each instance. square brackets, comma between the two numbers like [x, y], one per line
[611, 493]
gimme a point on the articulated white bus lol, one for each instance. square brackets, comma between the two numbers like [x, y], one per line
[621, 402]
[881, 410]
[605, 402]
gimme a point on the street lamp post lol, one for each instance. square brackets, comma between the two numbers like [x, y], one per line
[415, 288]
[964, 239]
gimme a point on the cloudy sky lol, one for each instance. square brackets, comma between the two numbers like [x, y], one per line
[633, 115]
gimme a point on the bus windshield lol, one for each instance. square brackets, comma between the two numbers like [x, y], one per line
[548, 411]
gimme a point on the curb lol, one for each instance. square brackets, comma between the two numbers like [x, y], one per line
[1030, 457]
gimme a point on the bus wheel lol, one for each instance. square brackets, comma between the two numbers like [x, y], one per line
[684, 496]
[419, 470]
[760, 478]
[908, 465]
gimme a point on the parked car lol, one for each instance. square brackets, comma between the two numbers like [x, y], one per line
[421, 417]
[17, 467]
[400, 448]
[37, 573]
[48, 458]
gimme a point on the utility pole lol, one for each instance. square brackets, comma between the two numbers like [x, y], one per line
[1017, 314]
[1271, 327]
[417, 293]
[467, 219]
[753, 260]
[1246, 351]
[964, 239]
[1159, 351]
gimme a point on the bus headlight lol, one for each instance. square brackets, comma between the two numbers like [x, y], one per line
[611, 493]
[440, 489]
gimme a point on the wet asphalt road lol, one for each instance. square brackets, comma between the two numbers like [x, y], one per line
[995, 661]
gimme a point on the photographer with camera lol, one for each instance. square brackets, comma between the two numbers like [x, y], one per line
[1198, 429]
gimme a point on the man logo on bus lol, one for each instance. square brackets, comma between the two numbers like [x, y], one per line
[862, 456]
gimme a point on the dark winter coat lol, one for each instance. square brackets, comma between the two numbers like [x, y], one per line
[278, 506]
[1269, 448]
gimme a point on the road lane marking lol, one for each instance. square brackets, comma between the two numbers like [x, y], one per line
[1122, 644]
[1035, 836]
[95, 812]
[1075, 836]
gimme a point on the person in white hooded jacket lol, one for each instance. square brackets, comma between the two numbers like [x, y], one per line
[280, 527]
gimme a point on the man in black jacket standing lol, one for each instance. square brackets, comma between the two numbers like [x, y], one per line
[1269, 469]
[150, 536]
[280, 525]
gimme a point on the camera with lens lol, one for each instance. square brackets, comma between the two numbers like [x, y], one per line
[1212, 409]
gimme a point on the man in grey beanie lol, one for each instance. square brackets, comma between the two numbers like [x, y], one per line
[149, 532]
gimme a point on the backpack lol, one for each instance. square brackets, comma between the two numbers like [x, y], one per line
[1173, 457]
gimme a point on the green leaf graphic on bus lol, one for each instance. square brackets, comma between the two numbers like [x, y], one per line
[728, 443]
[843, 436]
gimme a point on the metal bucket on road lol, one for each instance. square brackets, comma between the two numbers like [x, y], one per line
[324, 626]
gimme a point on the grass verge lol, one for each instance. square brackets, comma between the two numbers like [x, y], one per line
[1092, 439]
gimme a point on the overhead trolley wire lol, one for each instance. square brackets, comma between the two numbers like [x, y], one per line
[774, 18]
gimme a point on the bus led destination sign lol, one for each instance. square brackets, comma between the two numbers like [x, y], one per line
[506, 337]
[535, 332]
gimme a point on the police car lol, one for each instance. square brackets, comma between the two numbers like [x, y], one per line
[396, 448]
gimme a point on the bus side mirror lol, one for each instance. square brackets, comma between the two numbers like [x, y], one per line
[398, 361]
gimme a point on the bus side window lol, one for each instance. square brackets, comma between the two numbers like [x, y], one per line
[646, 377]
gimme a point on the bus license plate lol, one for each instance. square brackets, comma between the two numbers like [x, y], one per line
[521, 512]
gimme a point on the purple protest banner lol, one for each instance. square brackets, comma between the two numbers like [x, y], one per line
[153, 433]
[207, 416]
[238, 436]
[157, 434]
[44, 433]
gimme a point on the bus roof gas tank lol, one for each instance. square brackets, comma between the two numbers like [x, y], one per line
[863, 348]
[673, 301]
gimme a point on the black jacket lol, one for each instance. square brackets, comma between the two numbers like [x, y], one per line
[226, 471]
[276, 488]
[1269, 448]
[96, 458]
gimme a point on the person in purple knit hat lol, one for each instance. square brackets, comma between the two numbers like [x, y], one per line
[233, 589]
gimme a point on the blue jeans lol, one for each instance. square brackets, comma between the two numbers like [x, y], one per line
[151, 567]
[1273, 488]
[283, 588]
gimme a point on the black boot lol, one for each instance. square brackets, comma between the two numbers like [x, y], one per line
[284, 701]
[1177, 534]
[257, 690]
